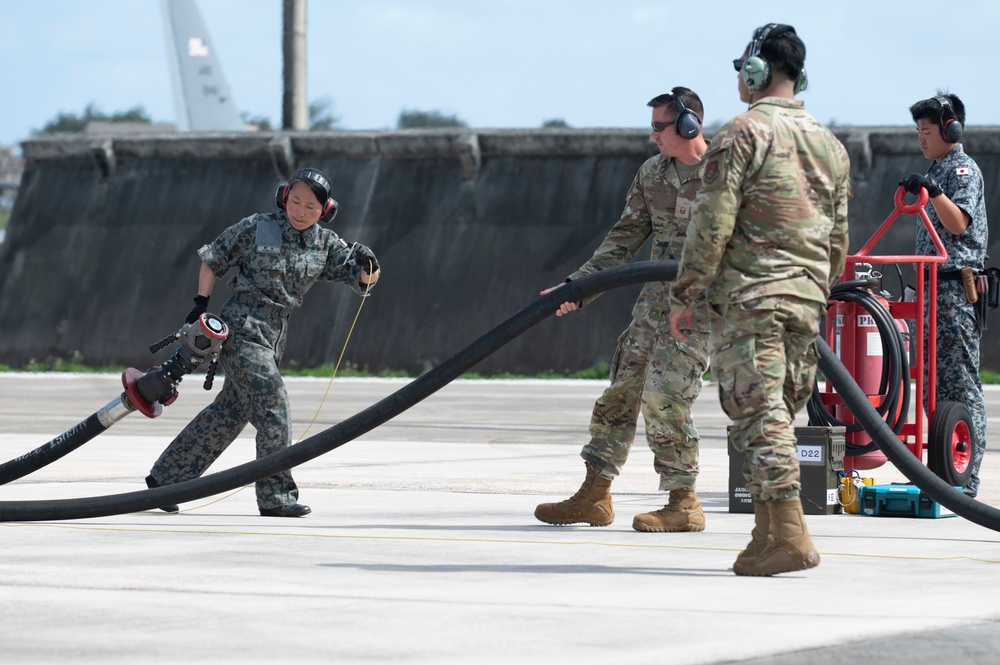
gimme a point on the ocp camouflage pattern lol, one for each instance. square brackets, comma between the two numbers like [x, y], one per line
[651, 371]
[771, 215]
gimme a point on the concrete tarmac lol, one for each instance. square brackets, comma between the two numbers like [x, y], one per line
[422, 548]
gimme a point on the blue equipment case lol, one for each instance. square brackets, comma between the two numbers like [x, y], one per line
[900, 500]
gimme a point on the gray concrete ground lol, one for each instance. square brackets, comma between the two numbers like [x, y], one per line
[422, 548]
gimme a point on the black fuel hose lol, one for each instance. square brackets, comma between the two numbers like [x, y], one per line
[53, 450]
[145, 392]
[452, 368]
[897, 453]
[352, 427]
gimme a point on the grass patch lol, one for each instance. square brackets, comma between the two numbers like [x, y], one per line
[599, 372]
[326, 370]
[59, 365]
[75, 365]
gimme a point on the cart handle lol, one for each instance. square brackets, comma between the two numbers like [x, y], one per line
[911, 209]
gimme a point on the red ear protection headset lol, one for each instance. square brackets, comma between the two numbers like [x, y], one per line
[951, 128]
[329, 208]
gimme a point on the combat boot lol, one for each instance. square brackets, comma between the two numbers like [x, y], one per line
[591, 504]
[789, 547]
[758, 538]
[152, 483]
[682, 513]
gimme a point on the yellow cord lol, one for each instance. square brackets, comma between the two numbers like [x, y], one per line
[368, 288]
[343, 350]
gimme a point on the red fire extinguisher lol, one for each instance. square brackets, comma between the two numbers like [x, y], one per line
[859, 345]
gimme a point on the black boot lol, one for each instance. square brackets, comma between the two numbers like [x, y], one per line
[152, 484]
[287, 510]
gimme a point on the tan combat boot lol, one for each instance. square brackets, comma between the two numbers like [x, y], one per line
[682, 513]
[758, 538]
[789, 547]
[591, 504]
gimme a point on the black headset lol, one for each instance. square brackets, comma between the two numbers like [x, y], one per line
[951, 128]
[756, 70]
[314, 175]
[687, 124]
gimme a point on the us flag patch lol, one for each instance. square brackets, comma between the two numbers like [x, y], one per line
[962, 170]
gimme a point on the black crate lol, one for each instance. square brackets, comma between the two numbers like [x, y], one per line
[821, 457]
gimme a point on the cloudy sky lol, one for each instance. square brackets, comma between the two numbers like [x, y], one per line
[500, 63]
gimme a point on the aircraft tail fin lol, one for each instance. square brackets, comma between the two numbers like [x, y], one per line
[202, 97]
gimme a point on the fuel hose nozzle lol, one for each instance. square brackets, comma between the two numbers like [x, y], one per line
[202, 340]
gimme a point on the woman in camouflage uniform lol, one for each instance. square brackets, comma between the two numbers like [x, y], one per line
[277, 256]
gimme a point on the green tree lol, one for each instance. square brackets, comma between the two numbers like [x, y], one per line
[70, 122]
[321, 116]
[262, 123]
[557, 123]
[423, 119]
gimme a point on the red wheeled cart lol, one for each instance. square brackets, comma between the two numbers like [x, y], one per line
[869, 332]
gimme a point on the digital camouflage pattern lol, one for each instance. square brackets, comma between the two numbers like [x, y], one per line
[651, 371]
[276, 265]
[960, 179]
[768, 240]
[957, 372]
[771, 215]
[253, 393]
[958, 380]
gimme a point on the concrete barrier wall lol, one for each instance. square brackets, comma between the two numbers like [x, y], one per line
[99, 259]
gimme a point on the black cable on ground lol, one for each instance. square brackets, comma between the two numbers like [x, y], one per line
[894, 449]
[351, 428]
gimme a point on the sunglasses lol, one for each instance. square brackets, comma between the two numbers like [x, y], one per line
[738, 64]
[660, 126]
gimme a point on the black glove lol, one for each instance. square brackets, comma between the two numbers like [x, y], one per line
[362, 256]
[913, 182]
[200, 306]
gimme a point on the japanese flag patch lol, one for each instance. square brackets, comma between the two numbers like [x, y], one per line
[962, 170]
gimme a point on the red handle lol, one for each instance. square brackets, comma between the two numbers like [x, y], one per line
[912, 208]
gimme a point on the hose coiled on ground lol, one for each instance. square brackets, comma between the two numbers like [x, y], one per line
[894, 383]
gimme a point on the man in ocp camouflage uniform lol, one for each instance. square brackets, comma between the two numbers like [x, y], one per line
[768, 240]
[957, 210]
[651, 369]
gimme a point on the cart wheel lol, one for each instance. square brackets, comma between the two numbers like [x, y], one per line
[949, 443]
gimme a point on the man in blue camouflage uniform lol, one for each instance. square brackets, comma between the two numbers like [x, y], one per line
[957, 210]
[278, 256]
[768, 240]
[651, 369]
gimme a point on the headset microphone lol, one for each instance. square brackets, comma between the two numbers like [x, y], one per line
[756, 70]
